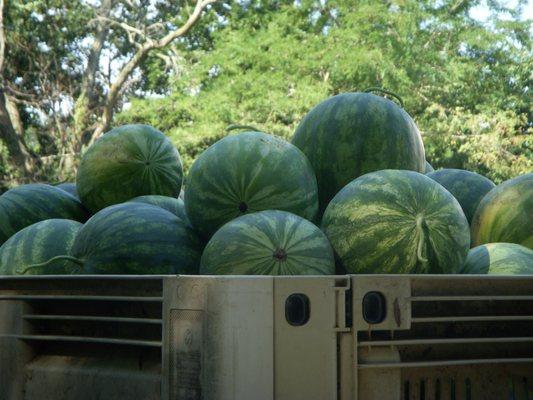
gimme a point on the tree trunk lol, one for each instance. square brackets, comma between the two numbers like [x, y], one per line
[18, 153]
[85, 102]
[14, 115]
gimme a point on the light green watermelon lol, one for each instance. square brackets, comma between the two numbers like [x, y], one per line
[27, 204]
[175, 206]
[245, 173]
[428, 168]
[467, 187]
[36, 244]
[268, 243]
[499, 259]
[127, 162]
[351, 134]
[397, 222]
[505, 214]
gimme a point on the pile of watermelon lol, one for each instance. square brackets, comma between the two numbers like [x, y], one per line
[351, 193]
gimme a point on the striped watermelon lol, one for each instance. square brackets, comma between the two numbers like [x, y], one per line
[467, 187]
[245, 173]
[175, 206]
[69, 188]
[127, 162]
[505, 214]
[36, 244]
[499, 259]
[351, 134]
[428, 168]
[27, 204]
[394, 221]
[268, 243]
[136, 238]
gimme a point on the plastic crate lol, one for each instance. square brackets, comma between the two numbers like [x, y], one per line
[366, 337]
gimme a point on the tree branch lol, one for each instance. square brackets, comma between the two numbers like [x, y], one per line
[137, 58]
[2, 40]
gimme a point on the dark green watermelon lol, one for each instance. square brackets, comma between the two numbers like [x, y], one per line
[127, 162]
[394, 222]
[428, 168]
[27, 204]
[268, 243]
[467, 187]
[136, 239]
[175, 206]
[505, 214]
[245, 173]
[69, 188]
[36, 244]
[499, 259]
[351, 134]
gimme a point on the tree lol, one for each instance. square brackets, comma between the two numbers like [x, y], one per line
[464, 82]
[69, 65]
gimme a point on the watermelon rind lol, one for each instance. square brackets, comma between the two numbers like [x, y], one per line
[37, 244]
[69, 187]
[268, 243]
[175, 205]
[25, 205]
[499, 259]
[246, 173]
[466, 186]
[397, 222]
[136, 239]
[351, 134]
[505, 214]
[127, 162]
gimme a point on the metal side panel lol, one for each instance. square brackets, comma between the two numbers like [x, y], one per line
[14, 354]
[218, 341]
[305, 359]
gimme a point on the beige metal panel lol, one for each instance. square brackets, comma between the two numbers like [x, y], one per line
[233, 318]
[88, 378]
[306, 356]
[380, 383]
[397, 292]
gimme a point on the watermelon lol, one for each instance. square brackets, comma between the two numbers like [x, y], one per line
[268, 243]
[38, 243]
[467, 187]
[127, 162]
[135, 238]
[27, 204]
[428, 168]
[69, 188]
[499, 259]
[175, 206]
[351, 134]
[394, 221]
[245, 173]
[505, 214]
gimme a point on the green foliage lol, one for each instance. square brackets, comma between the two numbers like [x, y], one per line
[465, 83]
